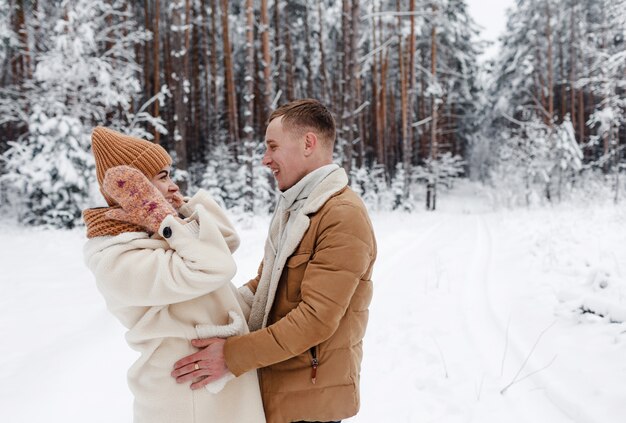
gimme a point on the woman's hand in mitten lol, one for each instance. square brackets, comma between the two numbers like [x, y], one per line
[141, 202]
[177, 200]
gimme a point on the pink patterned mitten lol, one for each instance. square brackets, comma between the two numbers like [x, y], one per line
[178, 200]
[141, 202]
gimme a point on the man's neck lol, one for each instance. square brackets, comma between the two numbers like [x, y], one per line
[305, 185]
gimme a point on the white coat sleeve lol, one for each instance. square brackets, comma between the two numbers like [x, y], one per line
[225, 226]
[138, 274]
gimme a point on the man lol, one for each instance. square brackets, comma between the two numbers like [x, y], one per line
[309, 301]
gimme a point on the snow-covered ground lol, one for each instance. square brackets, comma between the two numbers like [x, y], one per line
[468, 303]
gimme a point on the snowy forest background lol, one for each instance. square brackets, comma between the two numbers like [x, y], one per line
[544, 121]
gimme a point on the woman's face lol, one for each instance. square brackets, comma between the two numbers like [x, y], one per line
[164, 184]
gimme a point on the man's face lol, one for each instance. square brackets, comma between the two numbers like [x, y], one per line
[284, 154]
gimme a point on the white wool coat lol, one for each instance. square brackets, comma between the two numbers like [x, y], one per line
[167, 292]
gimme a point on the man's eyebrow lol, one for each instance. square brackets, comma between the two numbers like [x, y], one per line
[166, 172]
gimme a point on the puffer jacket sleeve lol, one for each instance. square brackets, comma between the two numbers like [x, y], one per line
[145, 272]
[344, 252]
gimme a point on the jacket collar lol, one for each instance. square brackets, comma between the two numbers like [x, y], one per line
[334, 182]
[303, 188]
[274, 260]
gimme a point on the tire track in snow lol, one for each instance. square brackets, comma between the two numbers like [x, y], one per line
[488, 333]
[392, 322]
[554, 384]
[482, 321]
[464, 242]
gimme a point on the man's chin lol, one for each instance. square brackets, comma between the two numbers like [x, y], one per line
[283, 187]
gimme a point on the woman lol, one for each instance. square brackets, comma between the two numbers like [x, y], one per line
[164, 267]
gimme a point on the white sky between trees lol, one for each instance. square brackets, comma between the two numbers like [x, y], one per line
[490, 15]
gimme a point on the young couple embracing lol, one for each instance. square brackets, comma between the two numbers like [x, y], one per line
[286, 346]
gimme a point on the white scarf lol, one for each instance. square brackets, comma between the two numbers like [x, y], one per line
[288, 226]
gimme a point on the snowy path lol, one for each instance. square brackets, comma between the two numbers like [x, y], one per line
[461, 296]
[491, 334]
[452, 296]
[457, 335]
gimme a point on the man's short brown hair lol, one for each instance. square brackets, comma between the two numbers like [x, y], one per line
[307, 115]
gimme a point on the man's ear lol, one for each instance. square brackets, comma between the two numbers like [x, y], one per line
[310, 143]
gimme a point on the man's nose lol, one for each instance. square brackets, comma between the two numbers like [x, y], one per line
[266, 160]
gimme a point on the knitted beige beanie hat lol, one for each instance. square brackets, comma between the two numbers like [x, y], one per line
[111, 148]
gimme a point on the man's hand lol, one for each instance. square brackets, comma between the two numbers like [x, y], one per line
[204, 366]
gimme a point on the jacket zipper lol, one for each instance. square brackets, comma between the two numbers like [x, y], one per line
[314, 365]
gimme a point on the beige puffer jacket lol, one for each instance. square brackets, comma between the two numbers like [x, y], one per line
[317, 310]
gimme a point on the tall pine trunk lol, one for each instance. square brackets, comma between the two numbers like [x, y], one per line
[267, 59]
[205, 81]
[573, 75]
[550, 66]
[431, 189]
[309, 53]
[178, 92]
[358, 124]
[214, 71]
[407, 151]
[290, 84]
[248, 129]
[196, 127]
[347, 92]
[21, 61]
[322, 68]
[384, 139]
[231, 95]
[404, 104]
[156, 62]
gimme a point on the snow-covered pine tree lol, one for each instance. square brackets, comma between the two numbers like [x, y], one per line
[398, 190]
[218, 176]
[457, 75]
[605, 47]
[5, 38]
[567, 157]
[85, 75]
[49, 177]
[226, 181]
[265, 191]
[418, 72]
[560, 68]
[439, 172]
[252, 182]
[522, 162]
[371, 185]
[521, 123]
